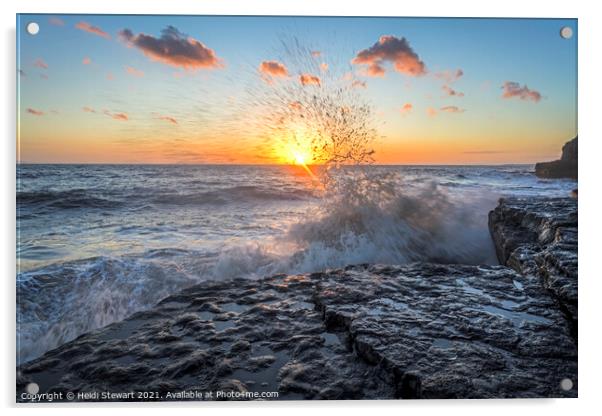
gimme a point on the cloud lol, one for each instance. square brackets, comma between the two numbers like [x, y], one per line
[449, 91]
[88, 110]
[324, 66]
[309, 79]
[316, 54]
[452, 109]
[513, 89]
[110, 76]
[116, 116]
[431, 112]
[35, 112]
[95, 30]
[394, 50]
[40, 63]
[273, 69]
[120, 116]
[134, 72]
[86, 61]
[173, 48]
[449, 76]
[483, 152]
[356, 83]
[169, 119]
[406, 108]
[56, 21]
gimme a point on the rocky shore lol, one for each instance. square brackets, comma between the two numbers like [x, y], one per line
[538, 237]
[364, 332]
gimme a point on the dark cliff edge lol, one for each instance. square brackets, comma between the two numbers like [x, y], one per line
[363, 332]
[566, 167]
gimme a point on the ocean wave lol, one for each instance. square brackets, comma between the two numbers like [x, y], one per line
[233, 195]
[372, 220]
[134, 199]
[399, 226]
[70, 199]
[57, 303]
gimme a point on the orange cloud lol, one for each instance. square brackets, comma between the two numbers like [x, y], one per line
[173, 48]
[120, 116]
[513, 89]
[134, 72]
[273, 68]
[40, 63]
[324, 66]
[449, 91]
[116, 116]
[35, 112]
[316, 54]
[56, 21]
[308, 79]
[431, 112]
[449, 76]
[95, 30]
[88, 110]
[394, 50]
[452, 109]
[407, 107]
[86, 61]
[169, 119]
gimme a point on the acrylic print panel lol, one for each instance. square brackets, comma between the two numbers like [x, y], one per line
[295, 208]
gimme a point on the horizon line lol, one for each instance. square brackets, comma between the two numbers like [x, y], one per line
[267, 164]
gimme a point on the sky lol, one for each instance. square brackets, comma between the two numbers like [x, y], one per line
[179, 89]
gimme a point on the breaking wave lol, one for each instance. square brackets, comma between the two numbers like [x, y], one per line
[377, 219]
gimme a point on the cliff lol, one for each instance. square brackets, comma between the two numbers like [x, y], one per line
[566, 167]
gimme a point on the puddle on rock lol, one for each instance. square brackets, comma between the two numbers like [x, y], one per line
[441, 343]
[122, 330]
[233, 307]
[516, 317]
[265, 379]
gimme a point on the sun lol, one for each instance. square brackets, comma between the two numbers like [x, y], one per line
[299, 158]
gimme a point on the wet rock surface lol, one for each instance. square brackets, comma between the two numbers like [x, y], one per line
[538, 237]
[364, 332]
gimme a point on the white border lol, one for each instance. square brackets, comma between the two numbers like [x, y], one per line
[590, 158]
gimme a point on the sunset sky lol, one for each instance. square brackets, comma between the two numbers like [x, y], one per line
[168, 89]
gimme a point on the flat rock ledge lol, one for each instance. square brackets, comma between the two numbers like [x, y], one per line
[364, 332]
[538, 237]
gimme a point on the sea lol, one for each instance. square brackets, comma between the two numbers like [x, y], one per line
[96, 243]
